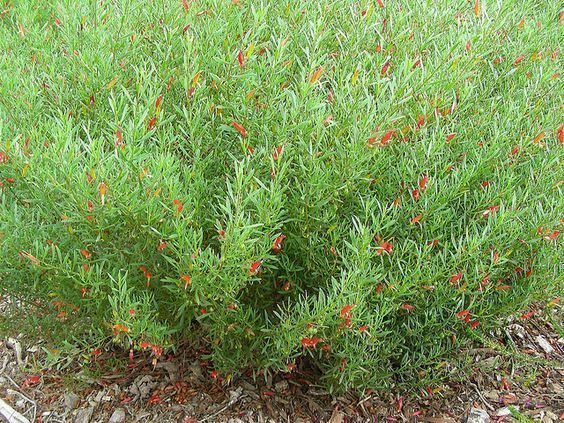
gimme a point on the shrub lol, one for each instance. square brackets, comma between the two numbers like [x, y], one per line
[365, 188]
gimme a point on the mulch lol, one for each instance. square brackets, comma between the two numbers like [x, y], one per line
[525, 385]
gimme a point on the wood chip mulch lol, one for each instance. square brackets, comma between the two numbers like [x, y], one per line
[526, 385]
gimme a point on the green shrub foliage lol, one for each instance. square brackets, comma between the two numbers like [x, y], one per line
[366, 187]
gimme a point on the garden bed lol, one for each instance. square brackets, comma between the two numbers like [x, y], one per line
[518, 376]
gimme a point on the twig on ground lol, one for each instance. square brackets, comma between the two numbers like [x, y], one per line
[235, 396]
[362, 401]
[11, 415]
[486, 403]
[25, 397]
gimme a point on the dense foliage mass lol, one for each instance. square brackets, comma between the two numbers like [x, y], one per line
[368, 184]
